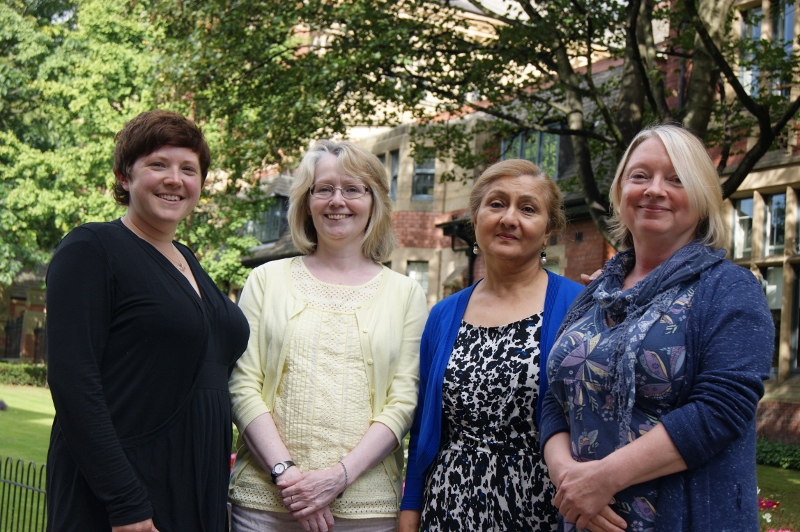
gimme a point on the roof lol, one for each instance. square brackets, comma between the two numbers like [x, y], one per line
[279, 249]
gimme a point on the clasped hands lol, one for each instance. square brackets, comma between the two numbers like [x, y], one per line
[308, 495]
[583, 496]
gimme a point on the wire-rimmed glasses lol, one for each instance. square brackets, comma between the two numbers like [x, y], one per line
[353, 191]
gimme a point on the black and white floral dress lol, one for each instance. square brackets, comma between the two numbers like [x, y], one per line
[488, 474]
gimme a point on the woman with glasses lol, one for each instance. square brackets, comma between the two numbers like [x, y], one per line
[327, 387]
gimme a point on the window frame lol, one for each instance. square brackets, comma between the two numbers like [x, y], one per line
[423, 172]
[394, 171]
[520, 146]
[769, 233]
[424, 283]
[269, 224]
[746, 251]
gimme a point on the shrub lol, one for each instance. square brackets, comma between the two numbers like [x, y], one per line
[25, 374]
[778, 454]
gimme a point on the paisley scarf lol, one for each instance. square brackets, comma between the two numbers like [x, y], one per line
[635, 310]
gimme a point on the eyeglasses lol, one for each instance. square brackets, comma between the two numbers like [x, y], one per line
[348, 191]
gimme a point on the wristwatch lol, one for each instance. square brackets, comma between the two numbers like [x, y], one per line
[279, 469]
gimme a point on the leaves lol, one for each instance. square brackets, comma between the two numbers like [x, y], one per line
[278, 74]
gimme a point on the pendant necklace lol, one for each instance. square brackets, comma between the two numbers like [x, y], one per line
[139, 233]
[181, 267]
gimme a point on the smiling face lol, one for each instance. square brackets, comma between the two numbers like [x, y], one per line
[338, 221]
[654, 204]
[164, 187]
[512, 220]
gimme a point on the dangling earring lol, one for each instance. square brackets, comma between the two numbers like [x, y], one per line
[475, 249]
[544, 256]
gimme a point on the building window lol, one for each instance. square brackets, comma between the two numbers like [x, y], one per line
[424, 173]
[782, 15]
[774, 224]
[268, 225]
[772, 283]
[749, 72]
[742, 228]
[795, 345]
[538, 147]
[394, 161]
[418, 270]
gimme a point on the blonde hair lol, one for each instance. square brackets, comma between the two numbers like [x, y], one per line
[379, 238]
[697, 173]
[556, 217]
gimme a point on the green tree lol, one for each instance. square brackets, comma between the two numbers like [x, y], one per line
[279, 73]
[71, 75]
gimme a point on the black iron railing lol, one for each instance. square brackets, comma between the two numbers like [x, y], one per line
[22, 496]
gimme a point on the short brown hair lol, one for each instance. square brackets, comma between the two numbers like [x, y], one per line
[379, 238]
[556, 217]
[150, 131]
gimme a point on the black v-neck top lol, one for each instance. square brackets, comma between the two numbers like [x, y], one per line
[138, 366]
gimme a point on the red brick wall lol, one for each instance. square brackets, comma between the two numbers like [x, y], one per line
[586, 255]
[418, 229]
[779, 422]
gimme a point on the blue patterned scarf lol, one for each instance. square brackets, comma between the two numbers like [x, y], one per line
[635, 310]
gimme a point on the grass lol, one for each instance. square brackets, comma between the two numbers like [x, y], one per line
[783, 486]
[25, 426]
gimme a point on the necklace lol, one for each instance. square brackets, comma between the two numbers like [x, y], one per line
[138, 232]
[181, 267]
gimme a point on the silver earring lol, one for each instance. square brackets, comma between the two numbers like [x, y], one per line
[475, 249]
[544, 257]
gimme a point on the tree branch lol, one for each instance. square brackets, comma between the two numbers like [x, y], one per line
[760, 112]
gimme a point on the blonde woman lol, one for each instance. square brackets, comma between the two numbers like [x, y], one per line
[658, 371]
[327, 387]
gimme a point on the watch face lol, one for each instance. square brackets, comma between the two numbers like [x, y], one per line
[280, 468]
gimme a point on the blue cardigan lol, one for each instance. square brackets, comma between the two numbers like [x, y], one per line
[729, 343]
[437, 344]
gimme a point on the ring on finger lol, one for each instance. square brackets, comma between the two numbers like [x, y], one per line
[291, 498]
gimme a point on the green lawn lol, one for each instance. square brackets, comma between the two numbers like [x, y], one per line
[25, 426]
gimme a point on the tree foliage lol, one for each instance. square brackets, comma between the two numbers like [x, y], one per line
[71, 74]
[278, 73]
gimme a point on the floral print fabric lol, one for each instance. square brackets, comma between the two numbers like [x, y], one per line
[488, 474]
[579, 379]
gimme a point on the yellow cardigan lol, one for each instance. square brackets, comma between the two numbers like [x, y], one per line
[391, 325]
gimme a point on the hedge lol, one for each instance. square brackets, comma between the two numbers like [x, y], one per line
[25, 374]
[778, 454]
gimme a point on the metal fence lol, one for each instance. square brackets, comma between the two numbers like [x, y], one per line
[22, 496]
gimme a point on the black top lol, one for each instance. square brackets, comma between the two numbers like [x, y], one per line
[138, 368]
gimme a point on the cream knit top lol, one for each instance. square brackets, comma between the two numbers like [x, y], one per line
[322, 405]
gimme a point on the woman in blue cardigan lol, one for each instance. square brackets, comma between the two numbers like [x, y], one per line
[474, 461]
[655, 380]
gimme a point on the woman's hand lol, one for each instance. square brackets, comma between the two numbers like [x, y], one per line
[141, 526]
[607, 521]
[409, 521]
[312, 492]
[586, 279]
[321, 521]
[584, 490]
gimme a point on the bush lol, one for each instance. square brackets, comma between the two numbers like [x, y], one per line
[778, 455]
[25, 374]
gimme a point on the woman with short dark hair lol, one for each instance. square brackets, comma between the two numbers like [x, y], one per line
[141, 343]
